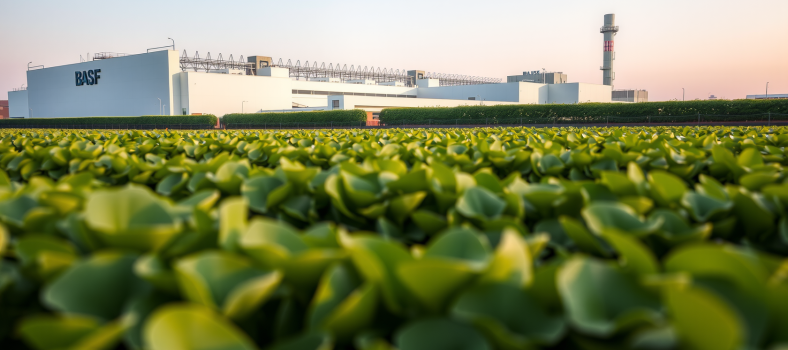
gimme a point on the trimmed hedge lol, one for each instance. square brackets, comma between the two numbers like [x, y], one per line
[354, 115]
[587, 112]
[201, 120]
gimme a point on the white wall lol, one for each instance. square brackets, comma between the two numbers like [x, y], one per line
[510, 92]
[595, 93]
[128, 86]
[579, 93]
[532, 93]
[221, 94]
[17, 104]
[564, 93]
[376, 104]
[355, 88]
[311, 100]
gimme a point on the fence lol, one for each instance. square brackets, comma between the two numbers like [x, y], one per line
[698, 119]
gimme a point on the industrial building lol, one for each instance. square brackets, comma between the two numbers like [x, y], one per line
[4, 112]
[767, 97]
[539, 77]
[630, 96]
[169, 83]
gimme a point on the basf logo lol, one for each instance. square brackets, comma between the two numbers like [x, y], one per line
[90, 77]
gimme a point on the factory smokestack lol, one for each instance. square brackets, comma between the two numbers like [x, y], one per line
[609, 55]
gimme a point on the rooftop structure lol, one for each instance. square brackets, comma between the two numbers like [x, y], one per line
[539, 77]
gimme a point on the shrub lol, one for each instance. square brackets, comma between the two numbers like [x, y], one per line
[584, 112]
[336, 116]
[201, 121]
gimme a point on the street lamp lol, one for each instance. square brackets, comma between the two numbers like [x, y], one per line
[173, 43]
[767, 90]
[682, 94]
[28, 65]
[544, 73]
[242, 106]
[159, 105]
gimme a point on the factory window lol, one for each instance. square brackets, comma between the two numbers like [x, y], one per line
[335, 104]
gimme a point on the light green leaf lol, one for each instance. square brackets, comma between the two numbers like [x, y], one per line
[480, 203]
[193, 327]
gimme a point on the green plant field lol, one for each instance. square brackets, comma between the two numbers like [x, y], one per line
[500, 238]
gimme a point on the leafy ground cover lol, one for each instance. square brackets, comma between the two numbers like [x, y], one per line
[508, 238]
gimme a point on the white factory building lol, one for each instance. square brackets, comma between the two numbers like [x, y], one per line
[168, 83]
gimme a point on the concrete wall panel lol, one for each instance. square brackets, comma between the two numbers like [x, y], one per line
[17, 104]
[128, 86]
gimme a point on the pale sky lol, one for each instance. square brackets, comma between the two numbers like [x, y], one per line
[721, 47]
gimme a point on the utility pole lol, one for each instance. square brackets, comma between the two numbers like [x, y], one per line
[767, 90]
[682, 94]
[242, 106]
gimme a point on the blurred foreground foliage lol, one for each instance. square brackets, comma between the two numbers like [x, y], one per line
[511, 238]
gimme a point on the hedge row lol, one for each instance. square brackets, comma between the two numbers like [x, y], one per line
[206, 120]
[307, 117]
[589, 112]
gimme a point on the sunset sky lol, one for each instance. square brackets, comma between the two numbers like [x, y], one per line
[721, 47]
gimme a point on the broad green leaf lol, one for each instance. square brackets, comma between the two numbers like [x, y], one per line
[46, 254]
[489, 307]
[439, 334]
[606, 215]
[131, 217]
[271, 242]
[703, 321]
[633, 254]
[233, 215]
[666, 188]
[99, 286]
[461, 245]
[600, 299]
[51, 332]
[704, 208]
[583, 239]
[257, 191]
[402, 206]
[435, 281]
[224, 281]
[342, 305]
[511, 262]
[193, 327]
[480, 203]
[377, 261]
